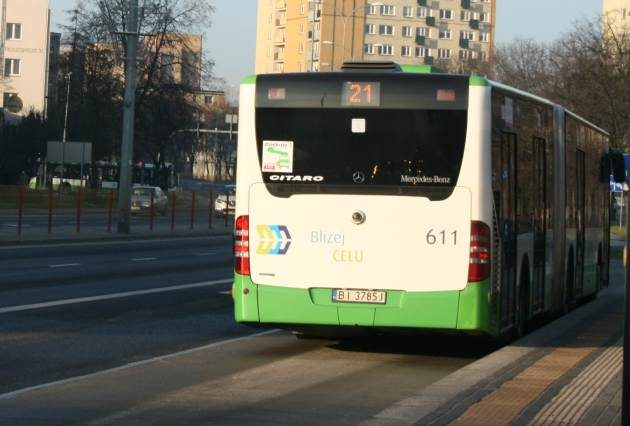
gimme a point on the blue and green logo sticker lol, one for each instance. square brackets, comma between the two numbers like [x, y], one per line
[275, 239]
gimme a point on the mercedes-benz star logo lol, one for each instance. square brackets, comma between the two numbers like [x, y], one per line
[358, 177]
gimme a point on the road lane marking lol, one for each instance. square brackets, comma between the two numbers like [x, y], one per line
[64, 265]
[206, 254]
[143, 241]
[143, 259]
[229, 292]
[64, 302]
[12, 394]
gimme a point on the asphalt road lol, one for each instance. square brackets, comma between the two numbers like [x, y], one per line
[38, 345]
[142, 332]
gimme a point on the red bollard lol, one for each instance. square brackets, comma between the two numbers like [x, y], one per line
[50, 208]
[79, 210]
[151, 211]
[174, 201]
[20, 209]
[210, 211]
[110, 205]
[192, 211]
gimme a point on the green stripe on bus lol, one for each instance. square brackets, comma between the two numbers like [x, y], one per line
[420, 69]
[250, 79]
[476, 80]
[466, 310]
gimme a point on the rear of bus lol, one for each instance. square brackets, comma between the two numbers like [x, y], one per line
[360, 201]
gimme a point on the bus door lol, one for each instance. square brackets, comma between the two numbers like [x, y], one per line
[579, 222]
[507, 227]
[539, 223]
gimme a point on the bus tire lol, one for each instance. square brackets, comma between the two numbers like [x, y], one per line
[522, 310]
[569, 287]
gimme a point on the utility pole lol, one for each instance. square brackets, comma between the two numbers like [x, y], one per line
[126, 151]
[63, 137]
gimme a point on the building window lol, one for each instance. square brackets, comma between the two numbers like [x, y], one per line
[386, 29]
[301, 47]
[299, 66]
[467, 35]
[302, 9]
[484, 17]
[483, 56]
[464, 54]
[12, 102]
[423, 31]
[421, 12]
[207, 99]
[301, 28]
[407, 11]
[368, 49]
[422, 52]
[464, 15]
[446, 14]
[385, 49]
[372, 9]
[445, 34]
[14, 31]
[405, 51]
[388, 10]
[406, 31]
[11, 67]
[484, 37]
[370, 29]
[444, 53]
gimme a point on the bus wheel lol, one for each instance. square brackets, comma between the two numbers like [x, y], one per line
[569, 295]
[522, 310]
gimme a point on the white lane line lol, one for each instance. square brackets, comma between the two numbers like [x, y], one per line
[64, 265]
[111, 296]
[115, 242]
[205, 254]
[225, 292]
[143, 259]
[10, 395]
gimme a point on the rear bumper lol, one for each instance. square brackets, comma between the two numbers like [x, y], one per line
[466, 310]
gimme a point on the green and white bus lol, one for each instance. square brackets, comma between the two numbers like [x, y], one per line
[389, 196]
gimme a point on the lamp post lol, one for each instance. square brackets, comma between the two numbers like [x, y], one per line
[344, 23]
[65, 125]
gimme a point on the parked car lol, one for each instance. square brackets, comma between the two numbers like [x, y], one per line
[225, 202]
[141, 199]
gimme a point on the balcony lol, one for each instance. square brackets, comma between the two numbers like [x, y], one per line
[422, 3]
[465, 4]
[280, 5]
[431, 21]
[474, 24]
[420, 40]
[464, 43]
[428, 60]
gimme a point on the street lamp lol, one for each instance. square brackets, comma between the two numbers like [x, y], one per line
[345, 21]
[65, 125]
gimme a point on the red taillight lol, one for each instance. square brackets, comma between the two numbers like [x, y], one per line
[479, 267]
[241, 245]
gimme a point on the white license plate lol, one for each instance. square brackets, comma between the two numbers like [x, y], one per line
[359, 296]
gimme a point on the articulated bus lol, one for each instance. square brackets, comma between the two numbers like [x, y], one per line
[388, 196]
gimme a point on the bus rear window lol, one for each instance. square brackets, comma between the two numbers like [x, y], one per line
[363, 151]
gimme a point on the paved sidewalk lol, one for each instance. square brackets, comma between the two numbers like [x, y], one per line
[565, 373]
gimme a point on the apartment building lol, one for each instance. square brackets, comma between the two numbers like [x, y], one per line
[617, 14]
[319, 35]
[24, 55]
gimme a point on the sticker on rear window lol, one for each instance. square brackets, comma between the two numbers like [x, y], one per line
[277, 156]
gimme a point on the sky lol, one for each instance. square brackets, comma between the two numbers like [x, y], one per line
[231, 38]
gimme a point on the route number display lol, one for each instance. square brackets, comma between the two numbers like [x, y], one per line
[361, 93]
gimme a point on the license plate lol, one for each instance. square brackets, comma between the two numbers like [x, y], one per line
[359, 296]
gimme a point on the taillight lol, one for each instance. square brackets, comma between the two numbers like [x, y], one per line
[479, 267]
[241, 245]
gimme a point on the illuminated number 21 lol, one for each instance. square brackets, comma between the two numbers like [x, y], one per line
[356, 89]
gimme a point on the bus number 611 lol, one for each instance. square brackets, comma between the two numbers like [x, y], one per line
[441, 237]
